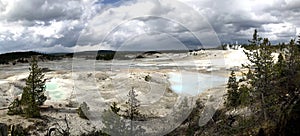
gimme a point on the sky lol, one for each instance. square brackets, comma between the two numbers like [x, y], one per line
[81, 25]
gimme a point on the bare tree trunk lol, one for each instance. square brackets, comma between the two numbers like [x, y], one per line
[263, 104]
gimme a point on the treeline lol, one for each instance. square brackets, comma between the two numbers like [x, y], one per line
[24, 57]
[100, 55]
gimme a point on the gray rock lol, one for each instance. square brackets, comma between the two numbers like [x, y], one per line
[3, 129]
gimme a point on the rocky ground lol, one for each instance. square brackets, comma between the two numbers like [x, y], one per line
[149, 77]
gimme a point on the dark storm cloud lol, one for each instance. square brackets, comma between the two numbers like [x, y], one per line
[288, 11]
[235, 20]
[64, 25]
[163, 25]
[40, 24]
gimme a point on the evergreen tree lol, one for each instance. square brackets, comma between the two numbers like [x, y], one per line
[232, 92]
[35, 83]
[33, 92]
[262, 73]
[244, 95]
[116, 124]
[289, 84]
[255, 42]
[132, 112]
[133, 104]
[255, 39]
[280, 65]
[31, 109]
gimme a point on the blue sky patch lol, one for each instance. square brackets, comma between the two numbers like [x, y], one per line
[110, 1]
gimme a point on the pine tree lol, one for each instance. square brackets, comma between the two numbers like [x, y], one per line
[116, 124]
[280, 67]
[255, 39]
[33, 92]
[133, 104]
[132, 111]
[255, 42]
[262, 65]
[244, 95]
[232, 92]
[31, 109]
[289, 85]
[35, 83]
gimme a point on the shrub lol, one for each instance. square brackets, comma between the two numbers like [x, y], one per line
[15, 108]
[147, 78]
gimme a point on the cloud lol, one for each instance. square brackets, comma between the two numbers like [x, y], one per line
[40, 24]
[235, 20]
[91, 24]
[43, 10]
[152, 18]
[14, 36]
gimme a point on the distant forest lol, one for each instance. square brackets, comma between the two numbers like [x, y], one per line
[24, 57]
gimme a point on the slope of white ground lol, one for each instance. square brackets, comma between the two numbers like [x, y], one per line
[101, 82]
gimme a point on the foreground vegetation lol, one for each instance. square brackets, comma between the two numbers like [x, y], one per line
[270, 90]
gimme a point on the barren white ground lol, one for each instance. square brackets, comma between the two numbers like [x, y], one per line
[200, 75]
